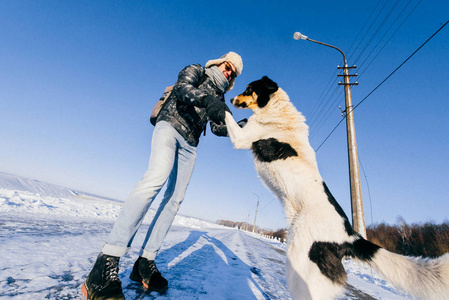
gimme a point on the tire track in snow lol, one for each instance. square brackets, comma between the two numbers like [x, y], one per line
[265, 264]
[268, 265]
[203, 265]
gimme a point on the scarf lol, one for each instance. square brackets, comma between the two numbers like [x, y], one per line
[217, 78]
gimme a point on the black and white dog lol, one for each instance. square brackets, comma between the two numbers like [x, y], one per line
[319, 234]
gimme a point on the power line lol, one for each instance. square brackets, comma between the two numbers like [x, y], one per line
[322, 98]
[330, 134]
[372, 23]
[377, 30]
[388, 30]
[268, 204]
[322, 110]
[327, 114]
[400, 65]
[369, 191]
[361, 30]
[382, 83]
[389, 39]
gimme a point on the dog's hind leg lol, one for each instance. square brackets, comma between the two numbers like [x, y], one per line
[327, 256]
[317, 274]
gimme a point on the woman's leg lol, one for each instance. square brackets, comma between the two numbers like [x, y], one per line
[176, 188]
[162, 159]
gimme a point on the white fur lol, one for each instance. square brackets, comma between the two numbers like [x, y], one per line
[297, 182]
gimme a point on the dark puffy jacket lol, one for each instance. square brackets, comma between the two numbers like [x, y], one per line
[185, 107]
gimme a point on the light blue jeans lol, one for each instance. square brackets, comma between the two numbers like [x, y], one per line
[171, 158]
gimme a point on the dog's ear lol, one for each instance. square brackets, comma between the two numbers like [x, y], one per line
[270, 84]
[270, 87]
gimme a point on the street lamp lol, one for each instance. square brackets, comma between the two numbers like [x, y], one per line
[358, 219]
[255, 216]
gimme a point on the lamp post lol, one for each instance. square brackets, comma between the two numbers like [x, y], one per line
[255, 216]
[358, 219]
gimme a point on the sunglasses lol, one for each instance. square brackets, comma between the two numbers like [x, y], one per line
[228, 67]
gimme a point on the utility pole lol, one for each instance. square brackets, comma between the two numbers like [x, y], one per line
[257, 207]
[358, 218]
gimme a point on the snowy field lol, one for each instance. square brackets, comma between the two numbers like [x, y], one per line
[51, 235]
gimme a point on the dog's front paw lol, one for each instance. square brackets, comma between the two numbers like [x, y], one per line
[228, 117]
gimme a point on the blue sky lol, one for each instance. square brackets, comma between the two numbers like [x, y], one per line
[78, 80]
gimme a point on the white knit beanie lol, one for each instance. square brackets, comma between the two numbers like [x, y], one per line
[234, 59]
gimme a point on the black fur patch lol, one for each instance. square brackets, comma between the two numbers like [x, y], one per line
[263, 88]
[361, 249]
[349, 230]
[271, 149]
[327, 256]
[242, 105]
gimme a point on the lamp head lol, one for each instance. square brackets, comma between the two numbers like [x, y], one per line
[299, 36]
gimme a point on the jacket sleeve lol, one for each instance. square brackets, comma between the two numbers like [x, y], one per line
[219, 129]
[186, 88]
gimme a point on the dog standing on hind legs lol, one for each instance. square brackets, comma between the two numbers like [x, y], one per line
[319, 233]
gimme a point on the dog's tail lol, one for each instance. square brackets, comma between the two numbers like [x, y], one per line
[425, 278]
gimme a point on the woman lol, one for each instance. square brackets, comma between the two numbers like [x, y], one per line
[197, 97]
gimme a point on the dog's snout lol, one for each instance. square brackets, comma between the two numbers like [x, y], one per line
[232, 100]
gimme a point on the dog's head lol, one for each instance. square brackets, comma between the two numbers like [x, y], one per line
[256, 95]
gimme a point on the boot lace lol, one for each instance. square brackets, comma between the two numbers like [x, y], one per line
[111, 270]
[150, 269]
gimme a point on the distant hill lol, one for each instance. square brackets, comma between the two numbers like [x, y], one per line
[14, 182]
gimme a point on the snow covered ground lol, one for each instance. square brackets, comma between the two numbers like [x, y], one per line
[51, 235]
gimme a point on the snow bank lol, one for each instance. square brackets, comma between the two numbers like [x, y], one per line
[51, 235]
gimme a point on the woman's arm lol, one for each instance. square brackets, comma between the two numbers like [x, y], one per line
[186, 88]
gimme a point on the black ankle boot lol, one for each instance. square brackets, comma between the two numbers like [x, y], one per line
[146, 272]
[103, 282]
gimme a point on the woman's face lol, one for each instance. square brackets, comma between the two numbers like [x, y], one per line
[228, 70]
